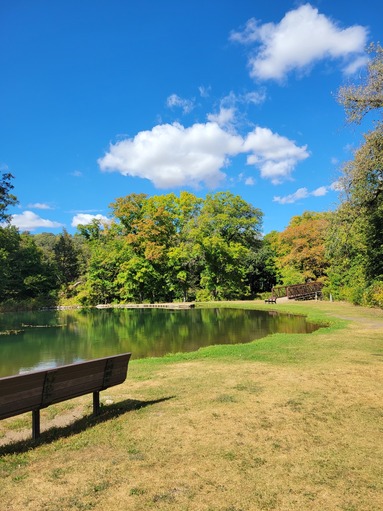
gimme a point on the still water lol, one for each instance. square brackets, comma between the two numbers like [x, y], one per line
[53, 338]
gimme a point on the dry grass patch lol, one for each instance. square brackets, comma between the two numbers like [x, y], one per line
[228, 433]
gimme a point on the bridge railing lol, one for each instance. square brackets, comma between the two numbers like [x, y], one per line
[297, 290]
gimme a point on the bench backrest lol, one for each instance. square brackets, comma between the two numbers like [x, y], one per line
[32, 391]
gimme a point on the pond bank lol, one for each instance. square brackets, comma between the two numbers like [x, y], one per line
[172, 305]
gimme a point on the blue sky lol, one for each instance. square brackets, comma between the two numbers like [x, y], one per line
[103, 98]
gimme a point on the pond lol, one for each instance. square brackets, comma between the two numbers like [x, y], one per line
[46, 339]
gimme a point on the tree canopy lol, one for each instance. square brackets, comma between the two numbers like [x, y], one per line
[355, 241]
[300, 249]
[359, 99]
[166, 247]
[6, 197]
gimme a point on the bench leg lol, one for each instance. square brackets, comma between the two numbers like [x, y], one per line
[35, 424]
[96, 403]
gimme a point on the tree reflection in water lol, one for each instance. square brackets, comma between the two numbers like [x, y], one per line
[52, 338]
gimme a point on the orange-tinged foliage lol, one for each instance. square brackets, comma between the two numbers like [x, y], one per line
[300, 248]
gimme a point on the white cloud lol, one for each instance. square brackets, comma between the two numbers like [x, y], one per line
[28, 221]
[225, 117]
[303, 193]
[39, 205]
[255, 97]
[248, 35]
[274, 155]
[86, 218]
[171, 155]
[228, 116]
[204, 91]
[303, 37]
[354, 66]
[320, 192]
[175, 101]
[250, 181]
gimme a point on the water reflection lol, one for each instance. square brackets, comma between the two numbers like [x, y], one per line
[53, 338]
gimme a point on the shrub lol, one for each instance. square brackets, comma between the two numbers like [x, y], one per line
[373, 295]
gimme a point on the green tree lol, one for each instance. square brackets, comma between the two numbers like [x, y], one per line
[46, 241]
[183, 256]
[355, 243]
[359, 99]
[6, 197]
[36, 275]
[149, 227]
[24, 273]
[363, 182]
[67, 259]
[158, 231]
[9, 245]
[103, 268]
[346, 250]
[165, 247]
[262, 268]
[228, 229]
[129, 210]
[184, 267]
[138, 280]
[91, 231]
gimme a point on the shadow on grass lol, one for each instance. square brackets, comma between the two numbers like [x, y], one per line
[55, 433]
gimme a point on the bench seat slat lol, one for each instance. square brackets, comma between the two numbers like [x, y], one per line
[20, 394]
[32, 391]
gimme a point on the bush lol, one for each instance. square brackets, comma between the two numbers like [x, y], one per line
[30, 304]
[373, 295]
[203, 295]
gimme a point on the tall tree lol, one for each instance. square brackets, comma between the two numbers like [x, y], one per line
[361, 211]
[300, 248]
[184, 262]
[66, 257]
[262, 268]
[363, 181]
[6, 197]
[228, 229]
[359, 99]
[9, 247]
[24, 271]
[128, 211]
[166, 247]
[159, 233]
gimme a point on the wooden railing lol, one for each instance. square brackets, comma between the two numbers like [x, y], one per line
[298, 291]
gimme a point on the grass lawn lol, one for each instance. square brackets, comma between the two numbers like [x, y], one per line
[289, 422]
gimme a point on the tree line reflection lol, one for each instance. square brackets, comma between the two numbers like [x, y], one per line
[53, 338]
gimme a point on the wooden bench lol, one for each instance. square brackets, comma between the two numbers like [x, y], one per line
[30, 392]
[271, 300]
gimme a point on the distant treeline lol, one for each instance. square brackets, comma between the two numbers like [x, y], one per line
[160, 248]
